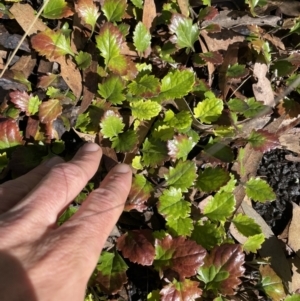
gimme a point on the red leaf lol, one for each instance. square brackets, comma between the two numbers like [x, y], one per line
[207, 13]
[137, 246]
[49, 110]
[9, 133]
[213, 57]
[20, 99]
[178, 254]
[181, 291]
[46, 80]
[262, 140]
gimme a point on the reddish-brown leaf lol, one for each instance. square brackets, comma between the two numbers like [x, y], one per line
[262, 140]
[181, 255]
[213, 57]
[186, 290]
[137, 246]
[20, 99]
[207, 13]
[46, 80]
[9, 133]
[49, 110]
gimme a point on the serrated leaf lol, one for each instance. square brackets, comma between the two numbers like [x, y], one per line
[141, 37]
[237, 71]
[184, 291]
[207, 13]
[176, 84]
[182, 226]
[208, 234]
[220, 207]
[211, 179]
[125, 142]
[111, 124]
[146, 86]
[263, 141]
[255, 108]
[49, 110]
[253, 243]
[230, 186]
[186, 34]
[222, 269]
[271, 283]
[237, 105]
[9, 133]
[88, 12]
[25, 102]
[259, 190]
[181, 121]
[145, 110]
[114, 10]
[180, 147]
[246, 225]
[154, 152]
[83, 60]
[137, 246]
[213, 57]
[111, 272]
[112, 89]
[139, 194]
[178, 254]
[51, 44]
[57, 9]
[171, 204]
[181, 176]
[209, 109]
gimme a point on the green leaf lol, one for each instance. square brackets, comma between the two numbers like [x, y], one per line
[176, 84]
[255, 108]
[146, 86]
[209, 109]
[141, 37]
[181, 121]
[33, 104]
[208, 234]
[172, 206]
[180, 147]
[246, 225]
[182, 226]
[259, 190]
[253, 243]
[182, 175]
[237, 71]
[125, 142]
[186, 34]
[219, 151]
[112, 89]
[136, 163]
[294, 297]
[111, 124]
[67, 214]
[83, 60]
[237, 105]
[211, 179]
[220, 207]
[57, 9]
[145, 110]
[262, 140]
[154, 152]
[230, 186]
[111, 272]
[88, 12]
[154, 295]
[114, 10]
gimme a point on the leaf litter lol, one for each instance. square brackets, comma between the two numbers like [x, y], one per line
[199, 98]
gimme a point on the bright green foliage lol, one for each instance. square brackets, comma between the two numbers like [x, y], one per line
[111, 125]
[186, 34]
[207, 2]
[259, 190]
[138, 3]
[141, 37]
[172, 205]
[211, 179]
[253, 243]
[112, 89]
[237, 71]
[208, 234]
[176, 84]
[136, 163]
[182, 226]
[154, 152]
[125, 142]
[246, 225]
[146, 86]
[220, 207]
[271, 283]
[209, 109]
[211, 275]
[114, 10]
[83, 60]
[294, 297]
[182, 175]
[67, 214]
[33, 105]
[255, 108]
[57, 9]
[180, 121]
[145, 110]
[162, 131]
[180, 147]
[154, 295]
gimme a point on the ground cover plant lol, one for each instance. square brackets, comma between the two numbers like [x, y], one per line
[197, 96]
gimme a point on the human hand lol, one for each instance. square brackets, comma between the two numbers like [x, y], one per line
[40, 261]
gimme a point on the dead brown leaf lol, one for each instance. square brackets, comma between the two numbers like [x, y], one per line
[149, 13]
[26, 64]
[184, 7]
[294, 230]
[295, 265]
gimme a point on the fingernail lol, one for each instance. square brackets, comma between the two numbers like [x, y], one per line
[53, 161]
[122, 168]
[90, 147]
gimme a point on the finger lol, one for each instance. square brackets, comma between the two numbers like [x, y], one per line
[60, 186]
[11, 192]
[97, 216]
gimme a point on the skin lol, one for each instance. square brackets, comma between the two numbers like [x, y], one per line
[40, 261]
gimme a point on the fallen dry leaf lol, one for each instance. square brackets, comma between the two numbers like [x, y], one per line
[149, 13]
[294, 230]
[295, 265]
